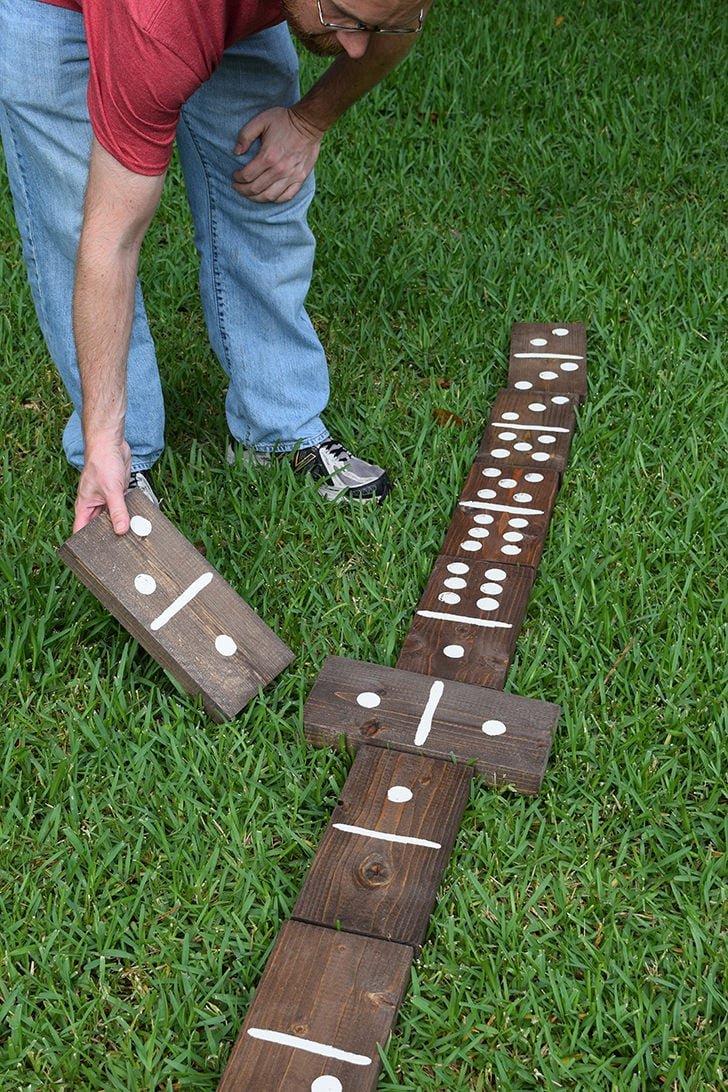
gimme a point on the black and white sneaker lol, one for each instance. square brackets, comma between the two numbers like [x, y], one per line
[139, 479]
[342, 476]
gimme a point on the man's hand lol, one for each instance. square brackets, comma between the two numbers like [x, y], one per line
[104, 481]
[289, 148]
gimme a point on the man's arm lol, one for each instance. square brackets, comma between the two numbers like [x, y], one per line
[291, 139]
[118, 209]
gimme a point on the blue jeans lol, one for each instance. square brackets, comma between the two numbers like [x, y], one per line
[255, 258]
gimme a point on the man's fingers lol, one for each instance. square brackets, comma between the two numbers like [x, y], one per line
[118, 515]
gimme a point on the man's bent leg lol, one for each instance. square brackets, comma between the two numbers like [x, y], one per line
[46, 138]
[256, 258]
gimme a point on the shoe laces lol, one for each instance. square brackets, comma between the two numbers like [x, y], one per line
[337, 450]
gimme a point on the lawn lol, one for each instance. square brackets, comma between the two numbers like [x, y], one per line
[528, 162]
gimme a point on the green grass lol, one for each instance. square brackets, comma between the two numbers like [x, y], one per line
[529, 162]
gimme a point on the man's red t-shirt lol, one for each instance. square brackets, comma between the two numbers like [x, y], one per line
[147, 58]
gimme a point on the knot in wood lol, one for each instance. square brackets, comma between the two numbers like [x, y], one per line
[374, 871]
[302, 1030]
[370, 727]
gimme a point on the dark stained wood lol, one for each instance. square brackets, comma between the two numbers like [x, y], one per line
[375, 877]
[324, 990]
[502, 515]
[507, 738]
[527, 431]
[185, 644]
[557, 367]
[468, 621]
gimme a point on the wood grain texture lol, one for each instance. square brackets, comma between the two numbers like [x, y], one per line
[527, 431]
[549, 357]
[468, 621]
[502, 515]
[325, 991]
[505, 737]
[379, 863]
[112, 567]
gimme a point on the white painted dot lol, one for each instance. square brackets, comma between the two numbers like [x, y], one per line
[141, 526]
[491, 589]
[536, 407]
[479, 532]
[511, 550]
[491, 472]
[532, 477]
[449, 597]
[327, 1083]
[560, 331]
[454, 652]
[458, 567]
[540, 456]
[488, 604]
[522, 498]
[225, 645]
[145, 584]
[471, 546]
[508, 483]
[494, 727]
[487, 494]
[559, 399]
[455, 582]
[518, 523]
[523, 385]
[548, 376]
[500, 453]
[368, 700]
[538, 341]
[399, 794]
[523, 446]
[495, 574]
[513, 536]
[546, 439]
[510, 416]
[483, 517]
[569, 366]
[507, 436]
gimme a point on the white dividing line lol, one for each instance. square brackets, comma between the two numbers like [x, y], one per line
[425, 725]
[486, 623]
[501, 508]
[547, 356]
[541, 427]
[309, 1045]
[384, 837]
[182, 600]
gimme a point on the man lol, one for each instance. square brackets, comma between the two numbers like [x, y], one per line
[93, 94]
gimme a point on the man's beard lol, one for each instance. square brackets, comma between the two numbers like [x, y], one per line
[325, 44]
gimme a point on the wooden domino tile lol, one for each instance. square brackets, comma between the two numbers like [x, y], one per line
[548, 357]
[468, 621]
[379, 863]
[177, 606]
[528, 431]
[327, 1000]
[506, 738]
[502, 515]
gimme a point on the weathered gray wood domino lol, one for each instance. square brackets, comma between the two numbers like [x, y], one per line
[380, 860]
[550, 358]
[326, 1001]
[502, 515]
[525, 430]
[505, 737]
[468, 621]
[178, 607]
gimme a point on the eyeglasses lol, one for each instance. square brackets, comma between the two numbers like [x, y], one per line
[356, 26]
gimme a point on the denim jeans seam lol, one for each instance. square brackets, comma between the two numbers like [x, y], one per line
[28, 234]
[219, 295]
